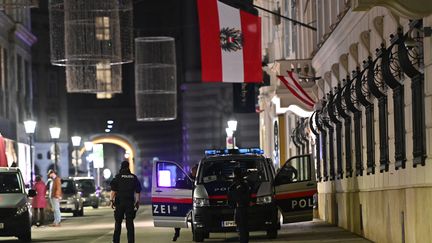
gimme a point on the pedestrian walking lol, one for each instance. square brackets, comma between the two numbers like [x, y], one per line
[192, 176]
[39, 201]
[125, 195]
[239, 198]
[55, 195]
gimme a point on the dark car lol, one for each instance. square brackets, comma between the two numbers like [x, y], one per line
[15, 207]
[87, 188]
[71, 201]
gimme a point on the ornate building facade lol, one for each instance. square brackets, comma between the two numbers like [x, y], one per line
[16, 40]
[371, 126]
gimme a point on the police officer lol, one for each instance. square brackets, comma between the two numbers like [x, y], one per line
[239, 197]
[125, 195]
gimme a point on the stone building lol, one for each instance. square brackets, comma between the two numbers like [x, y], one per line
[16, 40]
[368, 67]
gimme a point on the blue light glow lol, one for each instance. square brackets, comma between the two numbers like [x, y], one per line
[234, 151]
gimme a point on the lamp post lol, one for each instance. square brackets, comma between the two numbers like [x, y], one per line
[232, 125]
[229, 138]
[88, 148]
[76, 142]
[30, 127]
[55, 135]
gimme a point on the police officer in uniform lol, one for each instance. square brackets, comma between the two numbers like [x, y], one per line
[239, 197]
[125, 195]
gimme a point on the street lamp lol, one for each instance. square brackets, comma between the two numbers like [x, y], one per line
[76, 142]
[88, 145]
[232, 125]
[55, 135]
[229, 138]
[30, 127]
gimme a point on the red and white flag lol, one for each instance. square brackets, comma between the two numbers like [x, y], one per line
[291, 82]
[230, 43]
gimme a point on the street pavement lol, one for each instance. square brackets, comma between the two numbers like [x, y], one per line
[96, 226]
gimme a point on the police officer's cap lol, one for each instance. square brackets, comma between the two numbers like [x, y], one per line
[124, 164]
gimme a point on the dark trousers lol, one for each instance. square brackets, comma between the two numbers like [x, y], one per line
[122, 210]
[38, 216]
[241, 219]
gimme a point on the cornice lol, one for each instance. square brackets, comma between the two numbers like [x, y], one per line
[412, 9]
[345, 28]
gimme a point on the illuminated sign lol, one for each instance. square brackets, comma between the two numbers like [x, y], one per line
[98, 156]
[164, 178]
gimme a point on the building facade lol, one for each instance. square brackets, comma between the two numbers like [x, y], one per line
[370, 130]
[16, 40]
[50, 100]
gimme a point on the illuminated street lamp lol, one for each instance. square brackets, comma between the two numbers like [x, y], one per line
[232, 125]
[55, 135]
[88, 145]
[229, 138]
[76, 142]
[30, 127]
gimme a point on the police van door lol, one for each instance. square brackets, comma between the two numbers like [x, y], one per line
[295, 186]
[171, 195]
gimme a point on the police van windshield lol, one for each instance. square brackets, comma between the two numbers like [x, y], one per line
[223, 170]
[10, 183]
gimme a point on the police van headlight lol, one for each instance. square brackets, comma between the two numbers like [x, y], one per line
[201, 202]
[264, 200]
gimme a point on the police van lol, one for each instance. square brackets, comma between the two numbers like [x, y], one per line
[178, 201]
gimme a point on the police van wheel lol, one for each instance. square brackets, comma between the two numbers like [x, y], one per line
[198, 236]
[272, 233]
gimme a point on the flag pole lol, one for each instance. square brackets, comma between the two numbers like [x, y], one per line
[285, 17]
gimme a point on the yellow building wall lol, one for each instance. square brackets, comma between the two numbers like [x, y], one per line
[385, 216]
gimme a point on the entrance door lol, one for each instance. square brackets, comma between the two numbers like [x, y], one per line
[295, 186]
[171, 195]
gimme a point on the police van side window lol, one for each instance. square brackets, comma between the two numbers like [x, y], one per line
[295, 170]
[169, 175]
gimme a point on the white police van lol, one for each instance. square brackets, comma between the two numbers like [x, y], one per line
[177, 200]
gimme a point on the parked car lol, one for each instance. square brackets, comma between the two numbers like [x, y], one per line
[89, 193]
[15, 206]
[71, 202]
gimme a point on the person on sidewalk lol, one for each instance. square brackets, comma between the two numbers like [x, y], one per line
[125, 195]
[55, 195]
[39, 201]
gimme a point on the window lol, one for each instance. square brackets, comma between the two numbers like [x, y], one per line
[68, 187]
[103, 76]
[9, 183]
[169, 175]
[87, 186]
[297, 169]
[222, 171]
[102, 28]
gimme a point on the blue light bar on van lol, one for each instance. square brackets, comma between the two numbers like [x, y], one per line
[234, 151]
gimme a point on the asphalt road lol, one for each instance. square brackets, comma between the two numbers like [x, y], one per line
[96, 226]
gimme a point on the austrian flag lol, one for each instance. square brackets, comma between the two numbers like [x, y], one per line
[230, 41]
[293, 85]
